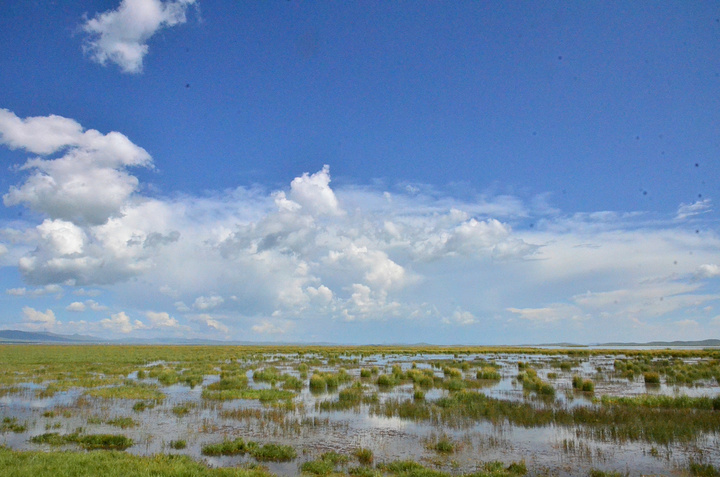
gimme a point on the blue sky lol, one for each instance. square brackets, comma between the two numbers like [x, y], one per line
[365, 172]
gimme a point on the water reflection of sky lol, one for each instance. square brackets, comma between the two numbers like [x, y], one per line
[314, 431]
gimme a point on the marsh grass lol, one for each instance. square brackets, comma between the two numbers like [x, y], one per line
[111, 464]
[178, 444]
[122, 422]
[128, 391]
[87, 441]
[326, 464]
[262, 453]
[11, 424]
[182, 410]
[615, 423]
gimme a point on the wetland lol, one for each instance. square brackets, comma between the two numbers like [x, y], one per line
[425, 411]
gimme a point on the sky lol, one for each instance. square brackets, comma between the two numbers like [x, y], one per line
[361, 172]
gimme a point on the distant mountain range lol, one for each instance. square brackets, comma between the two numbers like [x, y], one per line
[17, 336]
[44, 337]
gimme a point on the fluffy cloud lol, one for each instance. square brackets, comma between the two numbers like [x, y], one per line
[210, 322]
[37, 320]
[78, 306]
[46, 290]
[120, 36]
[161, 319]
[312, 256]
[88, 183]
[313, 194]
[120, 322]
[708, 270]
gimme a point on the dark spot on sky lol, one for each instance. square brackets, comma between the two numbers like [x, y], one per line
[534, 133]
[187, 85]
[697, 231]
[559, 57]
[675, 262]
[697, 165]
[532, 225]
[699, 195]
[644, 192]
[661, 298]
[637, 138]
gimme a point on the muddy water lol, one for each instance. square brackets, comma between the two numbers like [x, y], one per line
[546, 450]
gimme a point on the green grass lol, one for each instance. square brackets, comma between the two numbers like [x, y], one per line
[128, 391]
[226, 447]
[88, 441]
[262, 453]
[178, 444]
[122, 422]
[111, 464]
[364, 456]
[11, 424]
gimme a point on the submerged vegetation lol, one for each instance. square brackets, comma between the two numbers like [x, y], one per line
[262, 406]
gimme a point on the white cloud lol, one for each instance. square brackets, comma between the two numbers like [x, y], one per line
[39, 135]
[317, 255]
[161, 319]
[46, 290]
[211, 322]
[460, 318]
[549, 314]
[77, 306]
[87, 184]
[696, 208]
[35, 319]
[265, 327]
[120, 322]
[208, 302]
[708, 270]
[313, 193]
[120, 36]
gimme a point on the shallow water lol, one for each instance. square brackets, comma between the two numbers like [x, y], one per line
[549, 449]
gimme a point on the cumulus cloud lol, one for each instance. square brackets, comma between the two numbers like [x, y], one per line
[313, 254]
[161, 319]
[313, 193]
[46, 290]
[88, 183]
[461, 318]
[121, 323]
[120, 36]
[78, 306]
[37, 320]
[211, 322]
